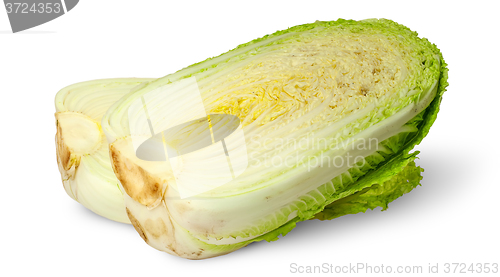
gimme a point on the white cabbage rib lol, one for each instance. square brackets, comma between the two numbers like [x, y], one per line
[82, 149]
[335, 83]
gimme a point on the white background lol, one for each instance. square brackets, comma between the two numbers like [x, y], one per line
[452, 217]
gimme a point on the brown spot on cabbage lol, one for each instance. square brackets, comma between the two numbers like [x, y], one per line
[138, 183]
[67, 161]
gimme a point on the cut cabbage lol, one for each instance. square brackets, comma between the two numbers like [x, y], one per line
[367, 89]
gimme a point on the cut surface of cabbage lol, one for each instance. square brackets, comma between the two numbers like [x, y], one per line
[82, 149]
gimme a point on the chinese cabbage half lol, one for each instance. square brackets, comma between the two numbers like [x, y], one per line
[364, 89]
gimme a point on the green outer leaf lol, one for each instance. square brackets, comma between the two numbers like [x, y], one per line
[379, 195]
